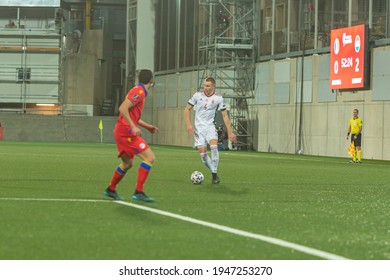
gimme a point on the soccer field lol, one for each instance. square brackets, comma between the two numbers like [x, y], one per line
[267, 206]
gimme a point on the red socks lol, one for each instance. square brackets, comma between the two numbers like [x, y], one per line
[143, 172]
[116, 178]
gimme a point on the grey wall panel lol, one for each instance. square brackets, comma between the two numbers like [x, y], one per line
[324, 93]
[171, 90]
[380, 75]
[307, 92]
[381, 60]
[186, 89]
[380, 88]
[307, 69]
[159, 98]
[262, 94]
[262, 73]
[262, 84]
[324, 67]
[282, 93]
[282, 72]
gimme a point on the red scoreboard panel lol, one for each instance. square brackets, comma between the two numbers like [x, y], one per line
[349, 67]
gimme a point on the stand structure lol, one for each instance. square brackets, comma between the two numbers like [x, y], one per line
[226, 52]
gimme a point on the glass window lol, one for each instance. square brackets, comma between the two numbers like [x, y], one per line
[281, 34]
[165, 35]
[379, 19]
[188, 43]
[339, 14]
[324, 22]
[266, 26]
[176, 34]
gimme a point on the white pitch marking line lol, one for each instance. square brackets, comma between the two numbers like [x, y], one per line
[272, 240]
[54, 199]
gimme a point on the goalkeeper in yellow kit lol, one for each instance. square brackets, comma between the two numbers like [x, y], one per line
[355, 129]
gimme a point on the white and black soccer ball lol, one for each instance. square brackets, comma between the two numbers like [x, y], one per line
[197, 177]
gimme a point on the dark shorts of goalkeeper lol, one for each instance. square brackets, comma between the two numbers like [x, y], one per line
[358, 141]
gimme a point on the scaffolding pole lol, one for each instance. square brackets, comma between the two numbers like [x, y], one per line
[226, 52]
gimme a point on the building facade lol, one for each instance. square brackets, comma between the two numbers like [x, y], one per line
[291, 107]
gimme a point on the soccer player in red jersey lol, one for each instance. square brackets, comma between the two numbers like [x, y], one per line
[128, 139]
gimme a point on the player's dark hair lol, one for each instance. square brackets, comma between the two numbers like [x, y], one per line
[357, 111]
[210, 79]
[145, 76]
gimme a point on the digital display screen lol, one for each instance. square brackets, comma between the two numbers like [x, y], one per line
[349, 67]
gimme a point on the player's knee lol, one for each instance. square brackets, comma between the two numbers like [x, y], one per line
[126, 165]
[213, 147]
[150, 159]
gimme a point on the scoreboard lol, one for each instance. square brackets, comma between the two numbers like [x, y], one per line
[349, 65]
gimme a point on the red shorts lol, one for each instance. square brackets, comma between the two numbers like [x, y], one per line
[128, 144]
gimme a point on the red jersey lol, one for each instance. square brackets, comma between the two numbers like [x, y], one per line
[136, 96]
[126, 142]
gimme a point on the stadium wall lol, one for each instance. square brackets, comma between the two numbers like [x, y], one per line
[275, 110]
[56, 128]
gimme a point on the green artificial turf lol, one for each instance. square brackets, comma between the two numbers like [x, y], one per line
[319, 202]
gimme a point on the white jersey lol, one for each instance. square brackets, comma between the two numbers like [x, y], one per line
[205, 108]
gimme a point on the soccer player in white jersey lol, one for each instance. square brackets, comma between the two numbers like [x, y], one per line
[205, 105]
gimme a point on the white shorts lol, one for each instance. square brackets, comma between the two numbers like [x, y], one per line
[204, 135]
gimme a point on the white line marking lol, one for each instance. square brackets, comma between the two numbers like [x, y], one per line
[272, 240]
[54, 199]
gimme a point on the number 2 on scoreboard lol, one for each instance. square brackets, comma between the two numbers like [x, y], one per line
[357, 64]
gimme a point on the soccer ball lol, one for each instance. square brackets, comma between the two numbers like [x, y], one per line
[197, 177]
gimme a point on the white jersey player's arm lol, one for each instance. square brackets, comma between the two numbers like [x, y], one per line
[187, 114]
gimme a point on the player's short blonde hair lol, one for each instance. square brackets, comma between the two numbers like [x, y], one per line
[210, 79]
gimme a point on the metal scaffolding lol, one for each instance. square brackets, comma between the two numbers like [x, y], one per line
[31, 57]
[226, 52]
